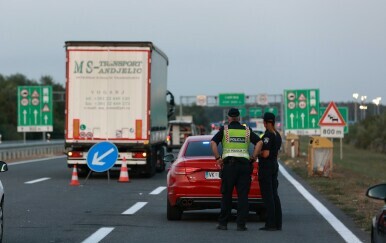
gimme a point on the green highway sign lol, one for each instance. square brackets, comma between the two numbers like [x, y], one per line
[243, 111]
[231, 99]
[343, 111]
[255, 112]
[34, 106]
[301, 108]
[271, 109]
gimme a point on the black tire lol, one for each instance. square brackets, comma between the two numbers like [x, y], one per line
[150, 167]
[1, 220]
[82, 170]
[160, 165]
[173, 212]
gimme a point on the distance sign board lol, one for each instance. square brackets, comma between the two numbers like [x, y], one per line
[34, 106]
[301, 108]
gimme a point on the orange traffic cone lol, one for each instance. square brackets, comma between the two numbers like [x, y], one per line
[124, 175]
[74, 178]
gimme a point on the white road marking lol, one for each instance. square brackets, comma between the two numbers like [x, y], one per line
[346, 234]
[158, 190]
[37, 180]
[98, 235]
[135, 208]
[35, 160]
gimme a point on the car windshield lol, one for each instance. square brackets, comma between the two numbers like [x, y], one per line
[202, 148]
[199, 148]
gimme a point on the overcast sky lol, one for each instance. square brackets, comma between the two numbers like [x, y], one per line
[214, 46]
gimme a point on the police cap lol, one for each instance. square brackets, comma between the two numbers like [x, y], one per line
[269, 117]
[233, 112]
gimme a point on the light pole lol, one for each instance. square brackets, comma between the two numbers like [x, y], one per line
[363, 107]
[377, 101]
[355, 96]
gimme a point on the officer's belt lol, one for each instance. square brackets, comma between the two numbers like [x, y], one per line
[235, 160]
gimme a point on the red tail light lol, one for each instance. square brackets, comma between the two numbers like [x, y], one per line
[382, 219]
[185, 170]
[139, 155]
[75, 154]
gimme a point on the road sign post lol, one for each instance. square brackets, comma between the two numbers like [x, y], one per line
[302, 111]
[34, 109]
[332, 123]
[101, 157]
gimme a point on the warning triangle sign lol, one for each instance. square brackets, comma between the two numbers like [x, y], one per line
[313, 111]
[302, 97]
[45, 108]
[332, 116]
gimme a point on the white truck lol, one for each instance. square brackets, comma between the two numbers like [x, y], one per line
[116, 92]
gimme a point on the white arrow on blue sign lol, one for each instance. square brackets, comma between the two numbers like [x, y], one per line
[102, 156]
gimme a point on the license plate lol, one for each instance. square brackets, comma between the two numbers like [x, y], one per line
[210, 175]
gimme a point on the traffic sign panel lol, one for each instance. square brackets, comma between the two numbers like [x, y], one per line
[271, 110]
[343, 111]
[102, 156]
[231, 99]
[332, 116]
[301, 109]
[34, 109]
[255, 112]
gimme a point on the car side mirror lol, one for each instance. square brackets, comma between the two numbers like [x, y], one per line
[169, 158]
[3, 166]
[377, 192]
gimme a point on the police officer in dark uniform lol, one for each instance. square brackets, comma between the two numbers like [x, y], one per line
[268, 172]
[236, 164]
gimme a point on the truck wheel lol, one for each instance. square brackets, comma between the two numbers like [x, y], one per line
[160, 166]
[83, 170]
[173, 212]
[151, 161]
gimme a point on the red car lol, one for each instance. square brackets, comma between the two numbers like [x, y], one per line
[193, 180]
[378, 225]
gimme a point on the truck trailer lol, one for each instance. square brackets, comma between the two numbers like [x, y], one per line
[117, 92]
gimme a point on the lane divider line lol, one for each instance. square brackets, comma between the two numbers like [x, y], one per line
[134, 208]
[342, 230]
[37, 180]
[35, 160]
[158, 190]
[98, 235]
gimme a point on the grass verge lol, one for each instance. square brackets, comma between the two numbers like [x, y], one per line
[351, 176]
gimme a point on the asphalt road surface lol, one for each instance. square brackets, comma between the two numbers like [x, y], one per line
[41, 206]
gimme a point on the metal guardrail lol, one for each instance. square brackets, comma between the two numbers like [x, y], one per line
[20, 150]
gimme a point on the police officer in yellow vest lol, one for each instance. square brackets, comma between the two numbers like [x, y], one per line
[236, 164]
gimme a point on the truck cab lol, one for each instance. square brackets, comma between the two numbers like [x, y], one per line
[178, 131]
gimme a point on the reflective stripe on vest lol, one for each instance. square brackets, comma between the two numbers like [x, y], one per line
[236, 142]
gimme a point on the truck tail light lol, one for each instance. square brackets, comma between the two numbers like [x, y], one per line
[75, 154]
[139, 155]
[138, 129]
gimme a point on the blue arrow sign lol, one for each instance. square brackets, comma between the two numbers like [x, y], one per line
[102, 156]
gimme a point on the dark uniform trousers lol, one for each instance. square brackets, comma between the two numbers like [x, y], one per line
[268, 172]
[236, 172]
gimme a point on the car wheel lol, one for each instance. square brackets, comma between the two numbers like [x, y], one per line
[1, 220]
[173, 212]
